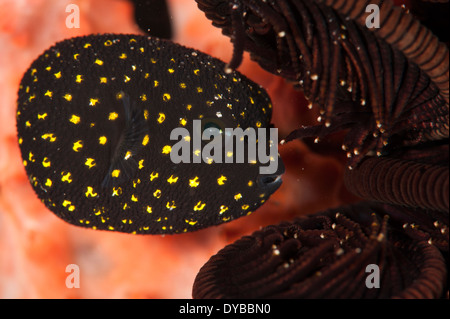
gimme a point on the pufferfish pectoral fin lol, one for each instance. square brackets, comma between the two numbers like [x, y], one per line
[123, 164]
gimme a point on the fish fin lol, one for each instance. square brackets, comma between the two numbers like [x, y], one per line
[130, 144]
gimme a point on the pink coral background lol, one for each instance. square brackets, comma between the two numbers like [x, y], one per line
[36, 246]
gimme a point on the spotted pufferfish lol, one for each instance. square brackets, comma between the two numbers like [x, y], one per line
[94, 118]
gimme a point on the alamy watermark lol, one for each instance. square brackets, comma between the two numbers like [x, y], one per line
[73, 18]
[238, 142]
[373, 19]
[373, 277]
[73, 278]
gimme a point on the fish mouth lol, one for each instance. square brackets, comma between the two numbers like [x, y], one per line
[271, 182]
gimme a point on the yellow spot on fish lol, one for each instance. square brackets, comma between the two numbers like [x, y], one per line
[171, 205]
[123, 56]
[146, 114]
[161, 118]
[238, 196]
[145, 140]
[31, 97]
[199, 90]
[199, 206]
[117, 191]
[48, 93]
[108, 43]
[48, 136]
[48, 182]
[75, 119]
[183, 85]
[68, 204]
[75, 56]
[250, 183]
[77, 145]
[87, 45]
[171, 71]
[115, 173]
[42, 116]
[134, 198]
[99, 62]
[136, 182]
[27, 124]
[189, 107]
[90, 162]
[79, 78]
[245, 207]
[93, 101]
[102, 140]
[57, 75]
[149, 209]
[166, 149]
[46, 162]
[128, 154]
[112, 116]
[126, 78]
[196, 71]
[90, 192]
[166, 97]
[66, 177]
[191, 222]
[223, 209]
[194, 182]
[141, 164]
[68, 97]
[221, 180]
[103, 79]
[153, 175]
[183, 121]
[157, 193]
[143, 97]
[172, 179]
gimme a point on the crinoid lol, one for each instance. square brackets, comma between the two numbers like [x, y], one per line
[329, 255]
[385, 82]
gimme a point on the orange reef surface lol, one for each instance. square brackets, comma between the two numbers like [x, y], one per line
[36, 246]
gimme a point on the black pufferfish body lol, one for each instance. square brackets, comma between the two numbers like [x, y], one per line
[94, 120]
